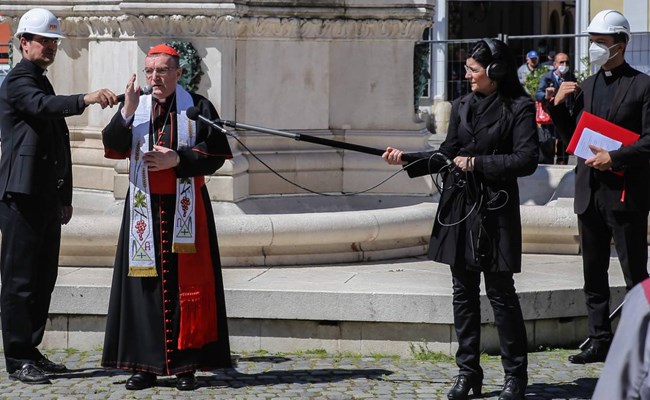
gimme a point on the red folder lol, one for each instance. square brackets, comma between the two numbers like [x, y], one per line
[603, 127]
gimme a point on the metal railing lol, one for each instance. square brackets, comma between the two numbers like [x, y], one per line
[447, 58]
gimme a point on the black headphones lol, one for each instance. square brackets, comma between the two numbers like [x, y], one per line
[497, 69]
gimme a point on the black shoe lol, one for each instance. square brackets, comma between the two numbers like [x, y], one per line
[591, 354]
[513, 389]
[48, 366]
[29, 373]
[186, 381]
[462, 386]
[141, 380]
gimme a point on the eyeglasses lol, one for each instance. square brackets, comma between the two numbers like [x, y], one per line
[45, 41]
[471, 70]
[158, 71]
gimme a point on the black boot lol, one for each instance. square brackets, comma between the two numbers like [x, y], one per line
[462, 386]
[513, 389]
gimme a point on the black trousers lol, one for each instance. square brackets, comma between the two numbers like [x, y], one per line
[500, 289]
[598, 225]
[31, 236]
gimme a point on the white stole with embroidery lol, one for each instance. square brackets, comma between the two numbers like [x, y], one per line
[142, 258]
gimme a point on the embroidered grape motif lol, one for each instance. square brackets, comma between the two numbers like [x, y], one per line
[185, 204]
[140, 227]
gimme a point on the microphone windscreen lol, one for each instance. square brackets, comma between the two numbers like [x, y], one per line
[146, 89]
[193, 113]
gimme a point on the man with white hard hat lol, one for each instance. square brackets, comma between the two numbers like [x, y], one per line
[35, 192]
[612, 195]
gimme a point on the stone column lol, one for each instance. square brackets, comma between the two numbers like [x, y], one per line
[333, 70]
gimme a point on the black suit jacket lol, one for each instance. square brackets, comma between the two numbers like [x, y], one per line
[550, 79]
[35, 139]
[630, 108]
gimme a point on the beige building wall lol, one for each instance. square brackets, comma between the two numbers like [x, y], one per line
[637, 11]
[597, 5]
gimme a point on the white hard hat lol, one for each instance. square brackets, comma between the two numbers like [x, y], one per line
[39, 21]
[609, 22]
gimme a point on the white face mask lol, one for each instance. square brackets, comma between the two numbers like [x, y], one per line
[563, 69]
[599, 53]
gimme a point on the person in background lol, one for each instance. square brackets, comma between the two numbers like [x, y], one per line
[531, 64]
[548, 84]
[612, 195]
[492, 140]
[543, 52]
[166, 313]
[549, 64]
[35, 192]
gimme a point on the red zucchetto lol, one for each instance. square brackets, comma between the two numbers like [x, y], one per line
[162, 49]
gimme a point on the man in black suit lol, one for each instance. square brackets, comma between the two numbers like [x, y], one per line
[612, 195]
[35, 192]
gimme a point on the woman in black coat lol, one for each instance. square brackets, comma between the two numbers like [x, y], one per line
[491, 141]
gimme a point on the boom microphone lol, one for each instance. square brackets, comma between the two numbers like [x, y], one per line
[193, 113]
[146, 89]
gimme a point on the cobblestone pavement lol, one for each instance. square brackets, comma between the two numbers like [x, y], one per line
[311, 376]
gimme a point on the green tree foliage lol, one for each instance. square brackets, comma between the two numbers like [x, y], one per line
[532, 80]
[421, 73]
[191, 64]
[586, 69]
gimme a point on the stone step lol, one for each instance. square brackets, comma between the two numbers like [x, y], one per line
[366, 308]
